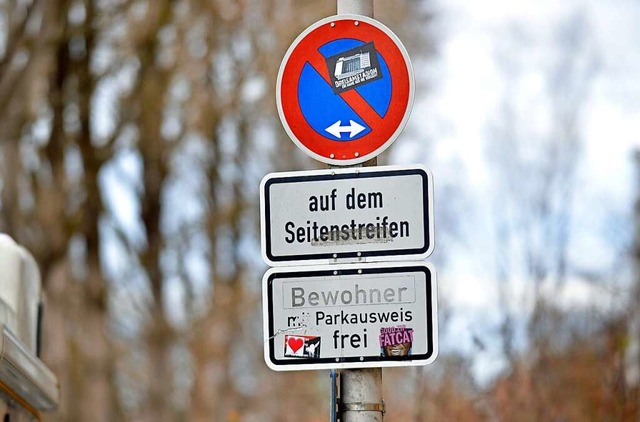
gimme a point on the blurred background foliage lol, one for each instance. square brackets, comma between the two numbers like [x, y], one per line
[133, 136]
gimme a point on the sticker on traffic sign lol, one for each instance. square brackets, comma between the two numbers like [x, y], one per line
[350, 316]
[345, 89]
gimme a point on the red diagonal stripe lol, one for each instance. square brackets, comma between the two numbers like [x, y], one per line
[351, 97]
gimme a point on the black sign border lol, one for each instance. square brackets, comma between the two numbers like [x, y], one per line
[345, 176]
[336, 272]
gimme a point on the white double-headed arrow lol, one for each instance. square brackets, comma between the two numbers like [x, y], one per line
[336, 130]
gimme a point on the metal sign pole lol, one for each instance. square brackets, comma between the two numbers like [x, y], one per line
[357, 7]
[360, 389]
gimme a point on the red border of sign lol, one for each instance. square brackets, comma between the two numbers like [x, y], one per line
[384, 131]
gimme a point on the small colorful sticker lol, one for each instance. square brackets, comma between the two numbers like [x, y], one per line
[301, 346]
[396, 341]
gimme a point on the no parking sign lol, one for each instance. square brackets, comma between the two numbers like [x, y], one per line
[345, 89]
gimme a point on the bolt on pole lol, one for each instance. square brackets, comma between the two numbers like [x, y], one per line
[360, 389]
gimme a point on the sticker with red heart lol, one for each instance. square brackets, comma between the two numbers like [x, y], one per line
[302, 346]
[295, 343]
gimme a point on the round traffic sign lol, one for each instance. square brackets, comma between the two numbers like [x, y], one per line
[345, 89]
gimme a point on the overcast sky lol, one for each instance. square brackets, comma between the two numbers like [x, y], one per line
[465, 81]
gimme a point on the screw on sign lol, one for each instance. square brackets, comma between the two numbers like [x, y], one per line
[345, 89]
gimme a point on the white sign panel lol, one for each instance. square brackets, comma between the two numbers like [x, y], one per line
[350, 316]
[347, 215]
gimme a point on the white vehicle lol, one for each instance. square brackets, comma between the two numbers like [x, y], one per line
[27, 386]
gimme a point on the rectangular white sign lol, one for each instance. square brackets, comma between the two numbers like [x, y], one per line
[350, 316]
[347, 215]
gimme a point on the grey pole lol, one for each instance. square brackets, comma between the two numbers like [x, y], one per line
[357, 7]
[361, 395]
[360, 389]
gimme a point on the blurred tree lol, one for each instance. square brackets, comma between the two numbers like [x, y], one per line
[133, 135]
[632, 339]
[537, 137]
[50, 197]
[562, 364]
